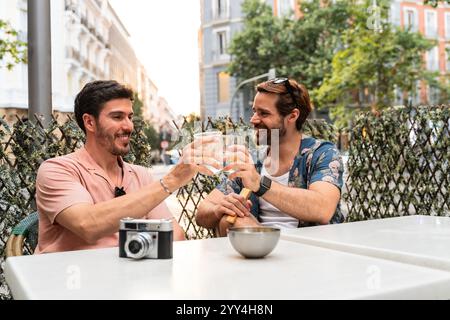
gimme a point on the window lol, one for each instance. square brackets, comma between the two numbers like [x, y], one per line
[285, 7]
[410, 19]
[223, 87]
[447, 59]
[398, 95]
[222, 43]
[221, 39]
[414, 95]
[447, 25]
[430, 23]
[220, 9]
[433, 95]
[70, 88]
[394, 13]
[433, 59]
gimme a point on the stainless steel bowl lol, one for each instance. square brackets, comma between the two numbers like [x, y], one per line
[254, 242]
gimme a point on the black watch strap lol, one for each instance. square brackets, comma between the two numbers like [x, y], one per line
[264, 186]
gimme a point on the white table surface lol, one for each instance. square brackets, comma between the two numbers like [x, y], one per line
[211, 269]
[419, 240]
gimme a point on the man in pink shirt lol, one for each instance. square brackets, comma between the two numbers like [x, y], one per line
[81, 197]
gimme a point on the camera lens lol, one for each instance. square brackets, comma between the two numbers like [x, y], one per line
[134, 246]
[138, 245]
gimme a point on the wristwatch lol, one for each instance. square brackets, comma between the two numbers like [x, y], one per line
[264, 185]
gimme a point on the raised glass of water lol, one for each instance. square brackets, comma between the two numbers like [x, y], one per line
[215, 147]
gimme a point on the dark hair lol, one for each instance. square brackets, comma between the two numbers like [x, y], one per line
[285, 103]
[95, 94]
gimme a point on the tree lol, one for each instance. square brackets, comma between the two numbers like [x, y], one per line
[152, 136]
[255, 49]
[372, 64]
[299, 48]
[137, 106]
[12, 50]
[434, 3]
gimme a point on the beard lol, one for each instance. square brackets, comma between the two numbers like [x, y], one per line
[108, 141]
[264, 133]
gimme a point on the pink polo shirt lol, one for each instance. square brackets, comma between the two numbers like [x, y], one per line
[73, 179]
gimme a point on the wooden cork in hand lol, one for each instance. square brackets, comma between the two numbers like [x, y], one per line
[246, 194]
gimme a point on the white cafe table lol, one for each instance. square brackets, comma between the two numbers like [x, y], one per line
[417, 239]
[211, 269]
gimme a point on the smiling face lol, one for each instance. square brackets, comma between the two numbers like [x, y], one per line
[266, 116]
[114, 126]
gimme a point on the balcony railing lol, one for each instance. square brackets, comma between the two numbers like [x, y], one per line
[72, 53]
[71, 7]
[85, 63]
[221, 15]
[84, 22]
[220, 57]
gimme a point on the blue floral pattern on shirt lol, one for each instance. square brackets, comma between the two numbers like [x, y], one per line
[316, 160]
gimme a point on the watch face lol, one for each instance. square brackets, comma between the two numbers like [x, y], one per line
[266, 182]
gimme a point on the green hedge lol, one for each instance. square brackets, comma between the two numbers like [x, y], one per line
[399, 163]
[23, 148]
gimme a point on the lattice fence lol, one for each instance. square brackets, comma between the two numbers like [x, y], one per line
[23, 148]
[399, 163]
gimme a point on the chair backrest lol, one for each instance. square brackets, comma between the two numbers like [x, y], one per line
[24, 236]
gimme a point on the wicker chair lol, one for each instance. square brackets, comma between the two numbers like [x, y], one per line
[24, 236]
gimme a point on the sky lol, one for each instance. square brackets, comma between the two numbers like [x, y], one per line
[164, 35]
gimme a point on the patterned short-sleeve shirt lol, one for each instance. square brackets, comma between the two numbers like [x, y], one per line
[316, 160]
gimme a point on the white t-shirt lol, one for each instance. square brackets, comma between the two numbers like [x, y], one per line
[271, 216]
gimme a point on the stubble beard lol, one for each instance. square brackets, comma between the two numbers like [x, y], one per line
[108, 142]
[281, 131]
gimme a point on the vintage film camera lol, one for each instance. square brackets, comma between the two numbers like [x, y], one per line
[151, 239]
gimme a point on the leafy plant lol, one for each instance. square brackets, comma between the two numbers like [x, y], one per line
[12, 50]
[399, 163]
[23, 148]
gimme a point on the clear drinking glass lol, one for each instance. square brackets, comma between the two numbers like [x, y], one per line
[215, 147]
[232, 139]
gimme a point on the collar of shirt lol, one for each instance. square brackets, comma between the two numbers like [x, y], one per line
[86, 159]
[306, 145]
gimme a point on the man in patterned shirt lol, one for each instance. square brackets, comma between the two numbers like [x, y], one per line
[300, 186]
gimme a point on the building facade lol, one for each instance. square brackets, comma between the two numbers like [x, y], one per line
[89, 42]
[434, 24]
[220, 20]
[124, 64]
[164, 117]
[83, 52]
[148, 93]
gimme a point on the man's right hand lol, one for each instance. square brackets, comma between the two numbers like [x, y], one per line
[232, 204]
[195, 157]
[224, 225]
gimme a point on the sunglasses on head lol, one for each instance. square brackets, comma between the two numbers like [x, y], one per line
[288, 87]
